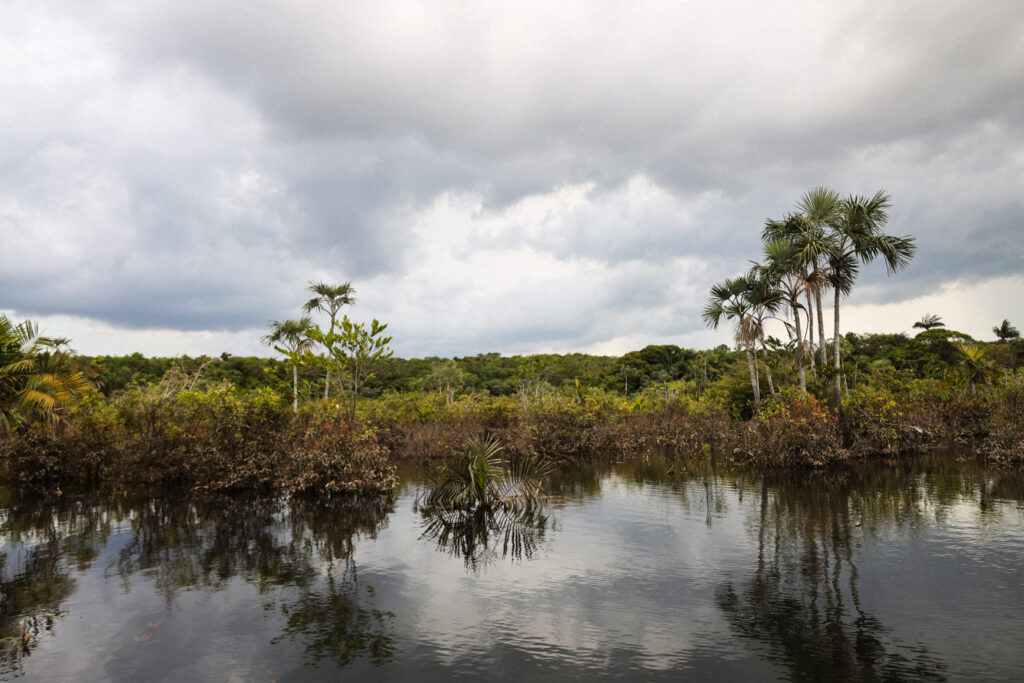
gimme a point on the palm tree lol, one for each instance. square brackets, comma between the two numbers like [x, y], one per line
[291, 338]
[783, 268]
[36, 378]
[929, 321]
[479, 479]
[857, 238]
[1006, 331]
[820, 207]
[729, 300]
[974, 367]
[329, 299]
[811, 243]
[764, 297]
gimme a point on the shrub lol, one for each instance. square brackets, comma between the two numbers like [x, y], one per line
[355, 463]
[793, 429]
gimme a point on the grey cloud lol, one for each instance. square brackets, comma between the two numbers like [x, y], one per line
[350, 116]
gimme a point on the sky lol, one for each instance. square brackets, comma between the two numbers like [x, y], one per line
[514, 177]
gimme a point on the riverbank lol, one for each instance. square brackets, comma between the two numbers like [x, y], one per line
[229, 440]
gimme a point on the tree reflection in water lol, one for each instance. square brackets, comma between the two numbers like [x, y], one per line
[803, 599]
[481, 537]
[304, 545]
[42, 544]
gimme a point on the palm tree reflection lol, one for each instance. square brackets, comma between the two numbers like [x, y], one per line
[481, 536]
[803, 600]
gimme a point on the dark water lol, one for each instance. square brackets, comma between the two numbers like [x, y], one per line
[878, 572]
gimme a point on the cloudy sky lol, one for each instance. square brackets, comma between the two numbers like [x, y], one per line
[513, 177]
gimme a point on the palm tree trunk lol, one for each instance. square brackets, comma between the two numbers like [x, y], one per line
[821, 329]
[753, 381]
[768, 370]
[810, 333]
[327, 376]
[800, 349]
[835, 351]
[295, 389]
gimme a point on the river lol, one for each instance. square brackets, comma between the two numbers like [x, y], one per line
[646, 570]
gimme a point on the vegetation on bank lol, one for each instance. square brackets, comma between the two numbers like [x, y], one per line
[334, 416]
[215, 436]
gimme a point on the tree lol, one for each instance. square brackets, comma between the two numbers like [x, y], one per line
[1006, 331]
[448, 377]
[36, 378]
[857, 238]
[929, 321]
[783, 269]
[329, 299]
[974, 366]
[292, 339]
[764, 299]
[354, 352]
[728, 300]
[820, 208]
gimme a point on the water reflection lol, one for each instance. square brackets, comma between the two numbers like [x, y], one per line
[803, 600]
[481, 537]
[334, 623]
[179, 545]
[43, 545]
[659, 570]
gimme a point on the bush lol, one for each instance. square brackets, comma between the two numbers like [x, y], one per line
[355, 463]
[793, 429]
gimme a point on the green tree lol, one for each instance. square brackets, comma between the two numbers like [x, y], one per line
[783, 273]
[355, 351]
[329, 299]
[973, 366]
[764, 298]
[857, 238]
[929, 321]
[729, 299]
[1006, 331]
[820, 207]
[37, 379]
[292, 339]
[448, 377]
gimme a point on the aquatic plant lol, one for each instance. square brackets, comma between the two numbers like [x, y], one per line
[478, 478]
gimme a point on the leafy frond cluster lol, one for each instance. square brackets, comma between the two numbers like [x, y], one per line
[480, 479]
[36, 377]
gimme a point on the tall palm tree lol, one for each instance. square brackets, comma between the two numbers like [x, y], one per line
[765, 298]
[36, 378]
[820, 207]
[811, 243]
[929, 321]
[729, 300]
[783, 270]
[1006, 331]
[291, 338]
[857, 238]
[329, 299]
